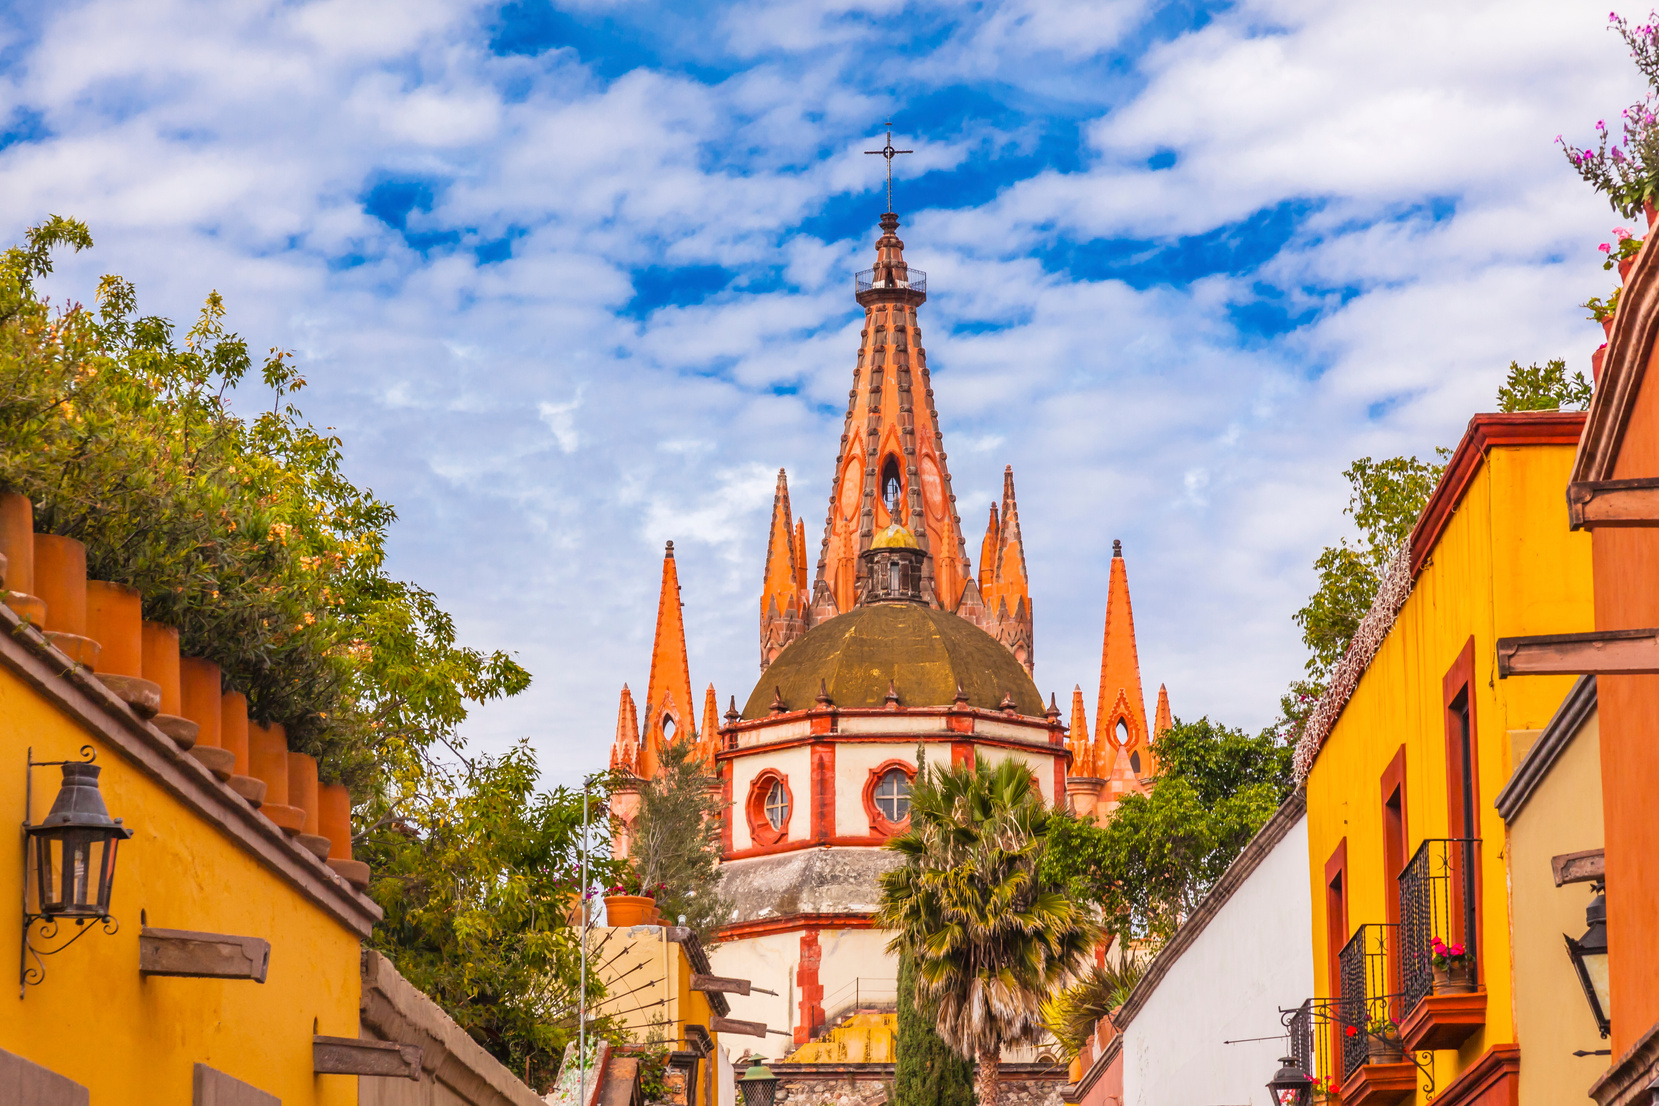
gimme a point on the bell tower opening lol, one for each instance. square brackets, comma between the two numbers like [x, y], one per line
[892, 488]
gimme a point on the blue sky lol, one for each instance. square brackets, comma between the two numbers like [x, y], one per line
[573, 279]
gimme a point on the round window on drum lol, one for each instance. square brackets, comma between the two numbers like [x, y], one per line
[777, 806]
[893, 795]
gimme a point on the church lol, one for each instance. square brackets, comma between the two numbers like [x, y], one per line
[893, 647]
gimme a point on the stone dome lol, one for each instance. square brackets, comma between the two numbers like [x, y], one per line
[924, 653]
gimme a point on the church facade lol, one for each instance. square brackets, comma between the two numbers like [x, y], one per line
[895, 649]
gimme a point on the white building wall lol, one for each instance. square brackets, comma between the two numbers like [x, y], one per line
[768, 962]
[796, 767]
[1253, 958]
[853, 764]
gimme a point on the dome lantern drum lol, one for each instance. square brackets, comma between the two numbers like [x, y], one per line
[893, 568]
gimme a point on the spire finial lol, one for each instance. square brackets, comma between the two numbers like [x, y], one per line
[889, 153]
[1117, 548]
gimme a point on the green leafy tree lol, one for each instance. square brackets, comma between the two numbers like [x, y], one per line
[1543, 388]
[927, 1071]
[675, 846]
[991, 934]
[1152, 861]
[477, 877]
[243, 532]
[1385, 499]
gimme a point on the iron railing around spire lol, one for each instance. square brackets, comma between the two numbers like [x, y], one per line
[915, 281]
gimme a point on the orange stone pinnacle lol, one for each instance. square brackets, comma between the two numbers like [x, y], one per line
[1121, 699]
[1082, 750]
[708, 738]
[783, 601]
[625, 749]
[1003, 585]
[668, 692]
[891, 443]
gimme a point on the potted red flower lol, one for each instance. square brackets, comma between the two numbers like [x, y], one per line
[1454, 968]
[629, 904]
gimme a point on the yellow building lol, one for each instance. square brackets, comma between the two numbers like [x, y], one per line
[658, 986]
[269, 958]
[1402, 761]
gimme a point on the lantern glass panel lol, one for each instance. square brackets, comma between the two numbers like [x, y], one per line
[74, 870]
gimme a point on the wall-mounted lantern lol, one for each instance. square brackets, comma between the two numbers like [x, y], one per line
[1291, 1086]
[1589, 954]
[72, 852]
[759, 1084]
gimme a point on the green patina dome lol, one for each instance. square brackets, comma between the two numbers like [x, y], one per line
[922, 652]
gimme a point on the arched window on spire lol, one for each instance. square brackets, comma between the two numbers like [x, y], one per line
[892, 488]
[667, 730]
[1123, 732]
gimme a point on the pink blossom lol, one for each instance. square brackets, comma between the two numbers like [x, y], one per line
[1605, 248]
[1620, 233]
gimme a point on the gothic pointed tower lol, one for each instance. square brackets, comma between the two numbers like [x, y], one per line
[891, 464]
[1004, 609]
[783, 600]
[1120, 711]
[670, 712]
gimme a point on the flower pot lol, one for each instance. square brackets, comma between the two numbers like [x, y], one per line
[1385, 1050]
[334, 819]
[60, 582]
[653, 916]
[1458, 980]
[233, 728]
[17, 545]
[627, 910]
[114, 619]
[161, 663]
[199, 698]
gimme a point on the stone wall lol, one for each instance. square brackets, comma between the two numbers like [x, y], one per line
[873, 1088]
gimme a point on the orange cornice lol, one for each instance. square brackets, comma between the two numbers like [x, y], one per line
[1483, 433]
[788, 923]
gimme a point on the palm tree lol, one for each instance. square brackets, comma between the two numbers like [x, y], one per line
[991, 938]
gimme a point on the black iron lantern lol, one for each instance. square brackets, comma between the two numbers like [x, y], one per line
[74, 849]
[1589, 955]
[1291, 1086]
[759, 1084]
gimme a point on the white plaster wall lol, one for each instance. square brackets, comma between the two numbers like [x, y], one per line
[796, 766]
[853, 763]
[768, 962]
[855, 954]
[771, 961]
[1254, 957]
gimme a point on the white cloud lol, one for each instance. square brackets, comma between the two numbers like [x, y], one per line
[541, 445]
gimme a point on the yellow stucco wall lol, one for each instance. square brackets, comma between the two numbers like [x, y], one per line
[135, 1041]
[1552, 1020]
[1505, 564]
[648, 983]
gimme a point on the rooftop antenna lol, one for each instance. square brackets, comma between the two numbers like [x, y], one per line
[889, 153]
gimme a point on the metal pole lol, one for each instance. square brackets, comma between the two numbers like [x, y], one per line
[582, 994]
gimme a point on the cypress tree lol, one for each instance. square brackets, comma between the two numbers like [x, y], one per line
[927, 1071]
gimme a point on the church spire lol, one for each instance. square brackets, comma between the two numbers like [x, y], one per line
[625, 747]
[1077, 741]
[1120, 712]
[1007, 597]
[783, 614]
[1162, 723]
[891, 466]
[668, 703]
[708, 738]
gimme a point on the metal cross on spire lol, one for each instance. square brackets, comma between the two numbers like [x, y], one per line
[889, 153]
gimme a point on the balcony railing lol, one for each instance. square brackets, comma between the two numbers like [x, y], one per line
[1366, 999]
[913, 280]
[1438, 893]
